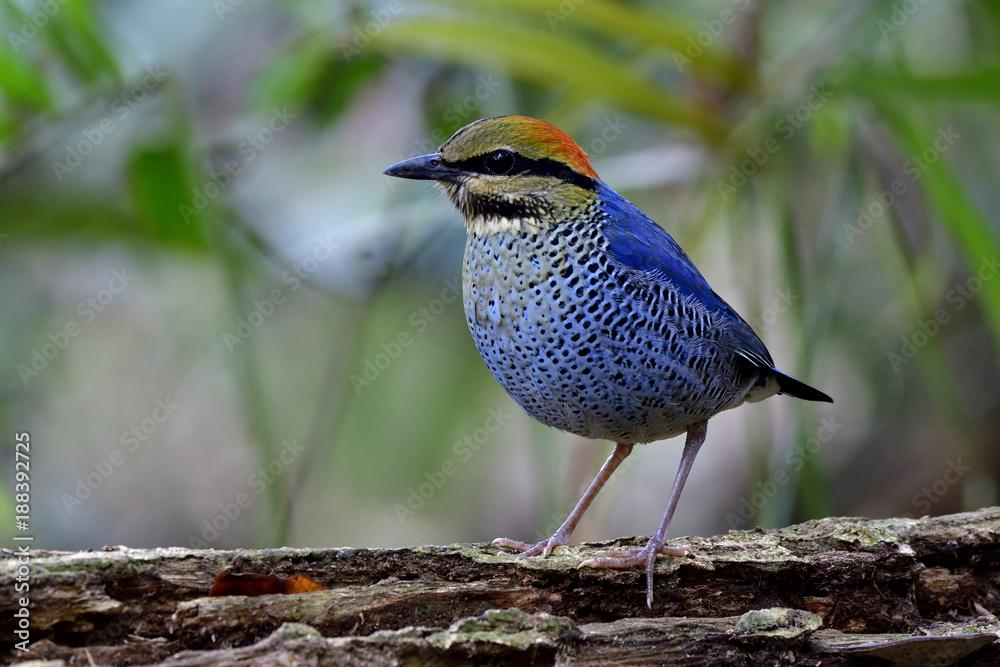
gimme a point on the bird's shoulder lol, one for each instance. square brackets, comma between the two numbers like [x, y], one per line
[642, 247]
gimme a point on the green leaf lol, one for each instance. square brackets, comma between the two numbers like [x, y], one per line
[629, 23]
[74, 32]
[966, 224]
[290, 77]
[167, 205]
[338, 81]
[977, 85]
[21, 83]
[314, 76]
[549, 60]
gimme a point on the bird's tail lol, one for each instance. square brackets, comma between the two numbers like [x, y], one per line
[792, 387]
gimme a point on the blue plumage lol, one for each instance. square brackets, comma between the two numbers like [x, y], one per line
[637, 242]
[587, 312]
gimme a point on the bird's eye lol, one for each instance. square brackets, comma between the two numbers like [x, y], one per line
[499, 162]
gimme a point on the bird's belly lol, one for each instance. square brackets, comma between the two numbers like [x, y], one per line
[570, 354]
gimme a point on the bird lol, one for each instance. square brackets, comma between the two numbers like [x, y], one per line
[588, 313]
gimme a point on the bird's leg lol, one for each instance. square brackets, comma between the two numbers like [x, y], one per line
[561, 536]
[647, 555]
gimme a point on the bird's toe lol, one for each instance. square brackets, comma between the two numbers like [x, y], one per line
[621, 559]
[543, 548]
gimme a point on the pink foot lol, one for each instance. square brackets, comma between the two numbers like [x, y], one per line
[543, 548]
[621, 559]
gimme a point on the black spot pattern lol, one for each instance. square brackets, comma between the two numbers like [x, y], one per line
[590, 347]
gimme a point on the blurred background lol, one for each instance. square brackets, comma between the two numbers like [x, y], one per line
[223, 326]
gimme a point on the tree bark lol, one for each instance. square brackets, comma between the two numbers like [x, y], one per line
[835, 591]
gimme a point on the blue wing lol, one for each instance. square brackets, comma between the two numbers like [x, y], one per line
[636, 242]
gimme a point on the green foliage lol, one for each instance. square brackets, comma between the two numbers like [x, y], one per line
[161, 187]
[314, 75]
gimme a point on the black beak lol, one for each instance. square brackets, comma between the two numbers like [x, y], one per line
[425, 168]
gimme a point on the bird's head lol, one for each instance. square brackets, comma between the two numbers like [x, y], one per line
[507, 173]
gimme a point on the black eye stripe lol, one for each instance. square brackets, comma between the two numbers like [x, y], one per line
[522, 165]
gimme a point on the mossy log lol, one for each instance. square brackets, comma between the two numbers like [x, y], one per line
[839, 591]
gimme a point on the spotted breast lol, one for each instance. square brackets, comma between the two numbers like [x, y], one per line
[584, 344]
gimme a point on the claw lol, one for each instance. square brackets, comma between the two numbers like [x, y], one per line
[621, 559]
[543, 548]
